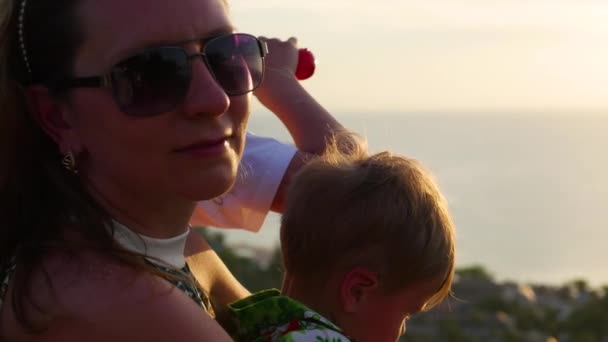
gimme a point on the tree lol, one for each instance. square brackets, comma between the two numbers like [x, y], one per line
[475, 272]
[252, 275]
[449, 330]
[589, 321]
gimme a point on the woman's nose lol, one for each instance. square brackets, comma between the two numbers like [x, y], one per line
[205, 95]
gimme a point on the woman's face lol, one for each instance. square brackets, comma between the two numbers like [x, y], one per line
[190, 153]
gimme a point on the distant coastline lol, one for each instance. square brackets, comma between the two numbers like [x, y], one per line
[601, 114]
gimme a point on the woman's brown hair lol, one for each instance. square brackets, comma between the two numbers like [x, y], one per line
[39, 199]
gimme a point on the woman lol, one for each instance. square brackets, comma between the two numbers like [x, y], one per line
[117, 118]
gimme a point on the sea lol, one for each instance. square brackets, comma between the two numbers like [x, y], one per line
[528, 191]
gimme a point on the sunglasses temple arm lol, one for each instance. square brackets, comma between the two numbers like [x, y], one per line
[85, 82]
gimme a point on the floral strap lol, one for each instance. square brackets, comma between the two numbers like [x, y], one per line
[5, 277]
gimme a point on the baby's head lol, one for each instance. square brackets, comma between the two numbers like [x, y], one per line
[367, 242]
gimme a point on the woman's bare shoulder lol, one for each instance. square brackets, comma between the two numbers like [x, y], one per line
[94, 298]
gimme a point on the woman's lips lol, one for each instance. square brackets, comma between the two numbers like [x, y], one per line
[206, 148]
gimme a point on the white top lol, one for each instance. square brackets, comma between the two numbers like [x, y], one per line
[246, 205]
[265, 161]
[168, 251]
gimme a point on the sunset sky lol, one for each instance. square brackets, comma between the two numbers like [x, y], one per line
[452, 56]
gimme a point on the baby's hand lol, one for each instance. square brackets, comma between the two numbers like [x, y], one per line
[279, 76]
[282, 58]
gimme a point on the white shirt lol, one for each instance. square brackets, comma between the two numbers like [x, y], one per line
[264, 163]
[165, 252]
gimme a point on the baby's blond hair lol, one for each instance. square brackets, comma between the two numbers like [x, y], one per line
[383, 212]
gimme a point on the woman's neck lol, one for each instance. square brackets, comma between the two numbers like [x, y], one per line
[153, 215]
[155, 225]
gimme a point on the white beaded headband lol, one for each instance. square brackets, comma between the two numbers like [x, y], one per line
[22, 37]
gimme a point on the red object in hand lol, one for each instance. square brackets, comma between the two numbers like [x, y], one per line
[306, 64]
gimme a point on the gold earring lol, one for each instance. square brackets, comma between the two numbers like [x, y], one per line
[69, 162]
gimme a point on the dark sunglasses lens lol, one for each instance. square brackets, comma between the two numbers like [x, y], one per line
[236, 62]
[152, 82]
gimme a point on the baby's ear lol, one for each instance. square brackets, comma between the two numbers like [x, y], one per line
[357, 286]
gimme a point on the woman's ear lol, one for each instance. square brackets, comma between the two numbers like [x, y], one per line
[357, 286]
[52, 117]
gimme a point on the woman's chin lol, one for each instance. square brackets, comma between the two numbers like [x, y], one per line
[209, 184]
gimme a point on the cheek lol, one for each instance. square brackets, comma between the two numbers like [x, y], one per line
[239, 109]
[109, 138]
[395, 320]
[389, 325]
[94, 112]
[395, 328]
[106, 132]
[239, 115]
[403, 327]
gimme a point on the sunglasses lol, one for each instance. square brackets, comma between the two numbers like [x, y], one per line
[157, 80]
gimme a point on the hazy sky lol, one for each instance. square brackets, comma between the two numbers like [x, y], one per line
[447, 56]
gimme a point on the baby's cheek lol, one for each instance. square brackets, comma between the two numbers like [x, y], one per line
[403, 327]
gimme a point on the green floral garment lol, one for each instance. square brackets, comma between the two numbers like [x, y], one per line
[190, 287]
[269, 317]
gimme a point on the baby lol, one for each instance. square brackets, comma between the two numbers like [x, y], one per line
[367, 242]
